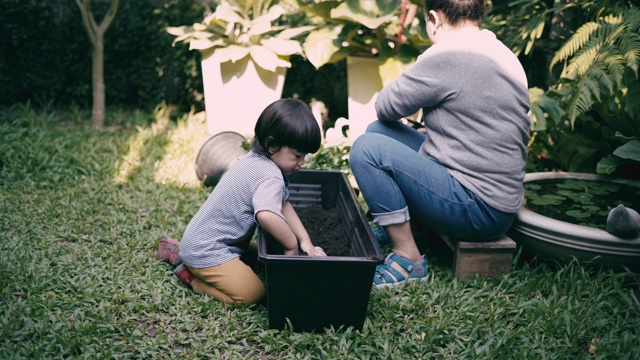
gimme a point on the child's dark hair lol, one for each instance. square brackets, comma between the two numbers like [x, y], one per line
[458, 11]
[286, 122]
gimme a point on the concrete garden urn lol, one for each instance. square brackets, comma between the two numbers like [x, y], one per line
[551, 239]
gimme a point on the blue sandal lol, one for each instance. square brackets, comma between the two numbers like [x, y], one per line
[397, 270]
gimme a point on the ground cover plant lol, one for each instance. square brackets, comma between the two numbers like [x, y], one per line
[81, 213]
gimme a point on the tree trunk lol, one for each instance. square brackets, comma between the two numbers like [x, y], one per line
[95, 33]
[98, 111]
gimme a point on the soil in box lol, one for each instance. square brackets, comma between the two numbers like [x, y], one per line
[313, 293]
[325, 228]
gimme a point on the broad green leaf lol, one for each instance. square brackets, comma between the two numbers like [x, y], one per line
[218, 25]
[282, 46]
[609, 164]
[552, 107]
[372, 8]
[620, 136]
[273, 14]
[176, 30]
[267, 59]
[322, 9]
[417, 35]
[232, 53]
[630, 150]
[259, 29]
[320, 45]
[539, 121]
[228, 14]
[367, 13]
[199, 27]
[294, 32]
[203, 44]
[543, 107]
[201, 35]
[391, 68]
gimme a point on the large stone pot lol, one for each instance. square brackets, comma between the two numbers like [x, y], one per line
[551, 239]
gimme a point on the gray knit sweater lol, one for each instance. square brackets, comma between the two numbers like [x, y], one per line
[473, 92]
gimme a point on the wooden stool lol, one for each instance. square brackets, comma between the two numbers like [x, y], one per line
[493, 258]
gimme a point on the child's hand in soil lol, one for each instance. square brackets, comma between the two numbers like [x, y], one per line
[314, 251]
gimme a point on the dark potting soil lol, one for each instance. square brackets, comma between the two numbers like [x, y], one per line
[325, 228]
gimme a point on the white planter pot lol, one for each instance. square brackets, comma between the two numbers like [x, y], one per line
[235, 93]
[364, 85]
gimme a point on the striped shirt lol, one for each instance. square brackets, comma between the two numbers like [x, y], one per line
[223, 227]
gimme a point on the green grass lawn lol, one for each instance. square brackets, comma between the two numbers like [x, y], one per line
[81, 215]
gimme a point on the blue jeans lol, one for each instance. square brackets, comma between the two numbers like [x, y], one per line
[396, 181]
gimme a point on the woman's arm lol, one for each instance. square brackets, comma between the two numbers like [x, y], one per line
[427, 83]
[300, 232]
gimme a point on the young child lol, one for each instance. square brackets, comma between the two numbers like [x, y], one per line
[252, 193]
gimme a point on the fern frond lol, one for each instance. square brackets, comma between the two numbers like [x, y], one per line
[598, 55]
[607, 29]
[632, 17]
[614, 63]
[583, 60]
[581, 98]
[575, 43]
[592, 84]
[629, 46]
[600, 74]
[630, 43]
[613, 19]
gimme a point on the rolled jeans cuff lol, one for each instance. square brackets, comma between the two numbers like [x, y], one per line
[391, 218]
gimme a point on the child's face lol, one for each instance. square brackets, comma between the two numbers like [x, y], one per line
[287, 159]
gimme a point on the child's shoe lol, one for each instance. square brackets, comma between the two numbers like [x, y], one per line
[169, 251]
[184, 274]
[397, 270]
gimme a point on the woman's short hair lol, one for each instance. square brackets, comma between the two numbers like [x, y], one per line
[458, 11]
[286, 122]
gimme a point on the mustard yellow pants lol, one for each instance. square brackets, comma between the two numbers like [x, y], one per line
[233, 282]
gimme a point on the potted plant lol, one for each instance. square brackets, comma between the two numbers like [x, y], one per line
[378, 38]
[246, 46]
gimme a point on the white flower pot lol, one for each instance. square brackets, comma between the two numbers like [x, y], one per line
[235, 93]
[364, 85]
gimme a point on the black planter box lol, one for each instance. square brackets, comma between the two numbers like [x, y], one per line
[313, 293]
